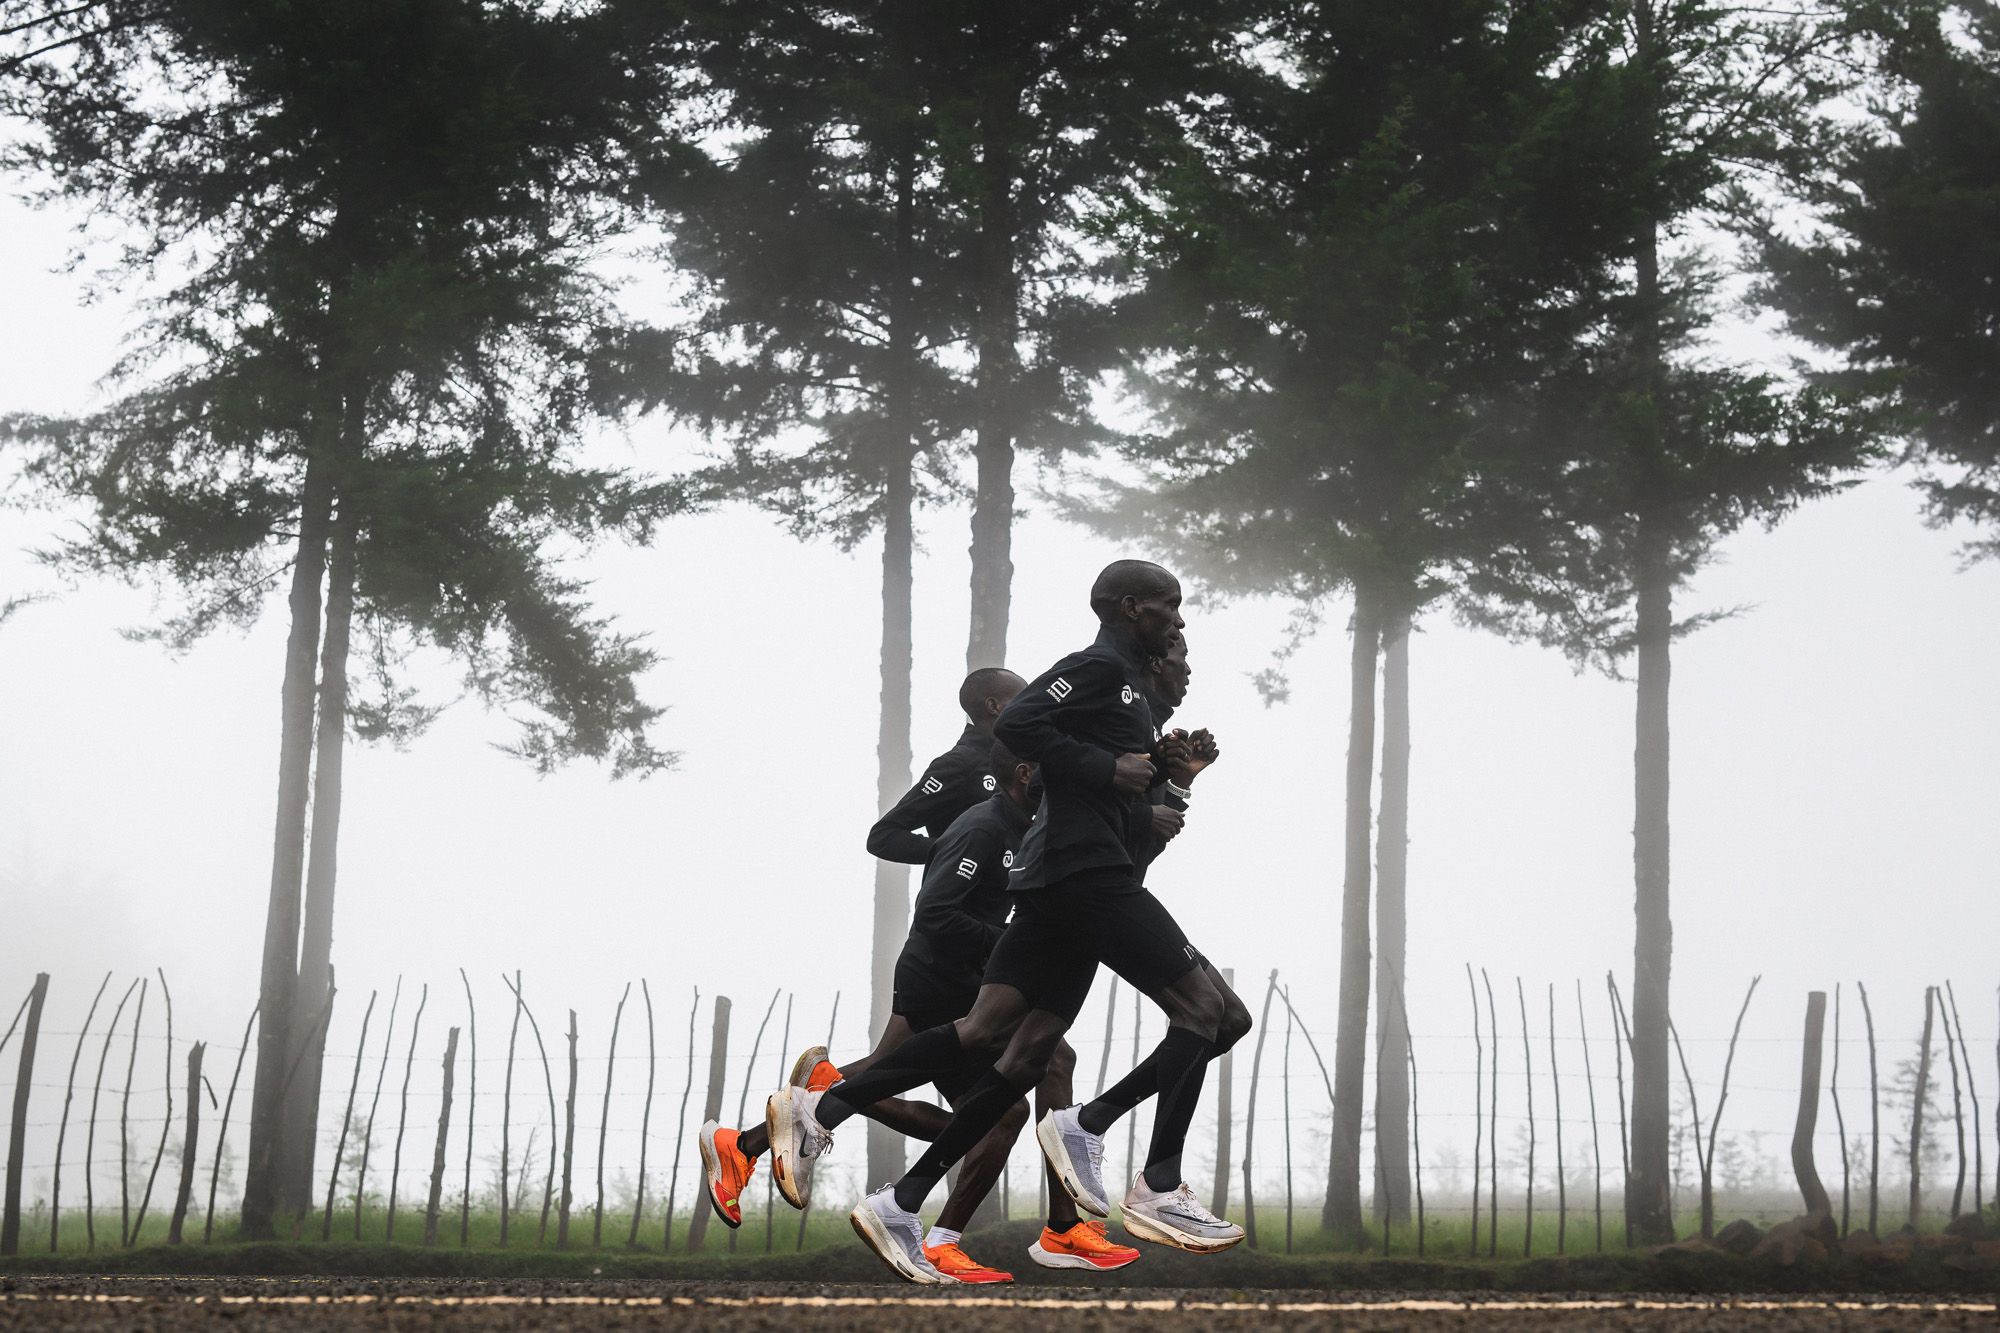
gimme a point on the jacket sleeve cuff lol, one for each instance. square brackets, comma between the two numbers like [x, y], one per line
[1101, 766]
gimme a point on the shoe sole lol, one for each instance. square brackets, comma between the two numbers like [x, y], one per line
[1050, 1259]
[869, 1227]
[1050, 1141]
[803, 1067]
[712, 1164]
[778, 1123]
[1161, 1233]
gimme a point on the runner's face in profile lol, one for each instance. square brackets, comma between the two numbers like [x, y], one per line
[1158, 622]
[1171, 674]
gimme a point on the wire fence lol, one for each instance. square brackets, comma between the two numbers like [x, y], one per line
[1520, 1120]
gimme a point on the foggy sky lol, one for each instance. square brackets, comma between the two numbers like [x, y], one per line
[1836, 801]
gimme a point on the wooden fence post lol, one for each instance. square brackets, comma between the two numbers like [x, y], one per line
[569, 1143]
[1132, 1121]
[436, 1201]
[1285, 1086]
[711, 1106]
[749, 1076]
[1620, 1038]
[188, 1145]
[1874, 1115]
[346, 1119]
[1110, 1019]
[645, 1117]
[125, 1125]
[403, 1112]
[1840, 1120]
[1562, 1183]
[1917, 1111]
[507, 1118]
[1478, 1103]
[1250, 1117]
[1493, 1122]
[1957, 1106]
[1972, 1091]
[374, 1105]
[471, 1109]
[1694, 1114]
[1416, 1121]
[17, 1129]
[90, 1139]
[1218, 1197]
[1715, 1126]
[604, 1118]
[1596, 1142]
[62, 1130]
[1528, 1078]
[166, 1122]
[222, 1130]
[549, 1085]
[1808, 1119]
[680, 1133]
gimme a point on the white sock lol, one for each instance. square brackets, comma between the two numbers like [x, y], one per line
[939, 1236]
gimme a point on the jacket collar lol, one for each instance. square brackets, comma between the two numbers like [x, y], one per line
[1125, 646]
[1013, 817]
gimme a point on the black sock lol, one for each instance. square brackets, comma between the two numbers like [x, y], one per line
[916, 1062]
[1182, 1058]
[978, 1111]
[1103, 1110]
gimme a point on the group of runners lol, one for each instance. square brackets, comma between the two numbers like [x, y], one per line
[1035, 831]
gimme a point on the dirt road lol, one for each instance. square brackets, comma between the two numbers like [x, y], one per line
[171, 1305]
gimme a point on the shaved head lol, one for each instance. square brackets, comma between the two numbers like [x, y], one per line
[986, 691]
[1138, 579]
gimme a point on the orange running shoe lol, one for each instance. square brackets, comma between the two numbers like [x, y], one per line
[1084, 1245]
[959, 1266]
[809, 1059]
[729, 1172]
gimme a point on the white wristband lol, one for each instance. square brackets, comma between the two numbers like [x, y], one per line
[1177, 790]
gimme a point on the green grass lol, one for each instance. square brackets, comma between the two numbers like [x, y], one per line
[831, 1255]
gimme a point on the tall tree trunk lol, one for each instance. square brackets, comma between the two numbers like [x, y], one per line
[264, 1173]
[1649, 1204]
[316, 942]
[1648, 1200]
[1392, 1072]
[892, 747]
[999, 358]
[1350, 1056]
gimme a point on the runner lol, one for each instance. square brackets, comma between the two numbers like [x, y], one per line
[1078, 903]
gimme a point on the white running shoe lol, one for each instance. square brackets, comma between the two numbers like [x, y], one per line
[796, 1139]
[1175, 1217]
[1078, 1158]
[896, 1236]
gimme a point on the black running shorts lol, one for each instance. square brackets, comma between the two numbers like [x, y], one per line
[926, 999]
[1058, 936]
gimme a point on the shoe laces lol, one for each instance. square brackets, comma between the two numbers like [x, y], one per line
[1192, 1206]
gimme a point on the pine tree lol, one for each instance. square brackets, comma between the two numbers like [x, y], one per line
[1346, 300]
[365, 378]
[828, 309]
[1899, 271]
[1647, 449]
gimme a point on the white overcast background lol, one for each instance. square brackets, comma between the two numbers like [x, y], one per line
[1836, 806]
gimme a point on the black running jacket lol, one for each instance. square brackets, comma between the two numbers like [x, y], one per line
[955, 782]
[1075, 720]
[963, 904]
